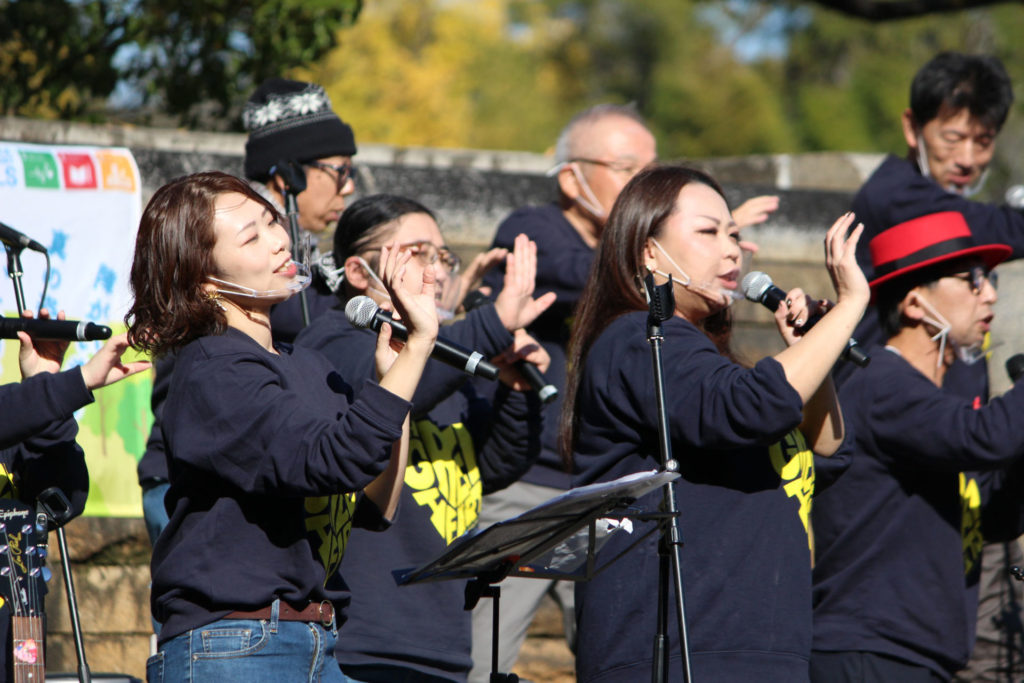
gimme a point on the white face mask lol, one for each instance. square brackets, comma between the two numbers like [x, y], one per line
[299, 282]
[590, 202]
[969, 354]
[710, 290]
[967, 191]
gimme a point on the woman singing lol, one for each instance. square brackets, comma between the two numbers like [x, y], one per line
[271, 459]
[743, 437]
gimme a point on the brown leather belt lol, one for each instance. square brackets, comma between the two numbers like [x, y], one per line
[315, 612]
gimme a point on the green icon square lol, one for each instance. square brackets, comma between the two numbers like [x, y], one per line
[40, 169]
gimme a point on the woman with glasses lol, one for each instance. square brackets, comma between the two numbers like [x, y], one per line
[272, 458]
[462, 444]
[899, 534]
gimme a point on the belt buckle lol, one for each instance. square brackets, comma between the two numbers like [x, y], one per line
[325, 611]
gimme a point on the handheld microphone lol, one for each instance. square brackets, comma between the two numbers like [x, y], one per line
[18, 240]
[61, 330]
[1015, 367]
[545, 390]
[362, 311]
[759, 288]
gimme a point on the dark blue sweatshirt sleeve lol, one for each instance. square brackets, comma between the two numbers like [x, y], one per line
[711, 400]
[922, 424]
[51, 458]
[29, 407]
[260, 437]
[351, 351]
[506, 435]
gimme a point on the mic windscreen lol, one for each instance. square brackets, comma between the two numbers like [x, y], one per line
[1015, 367]
[360, 311]
[755, 284]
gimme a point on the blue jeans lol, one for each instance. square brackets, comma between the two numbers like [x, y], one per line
[249, 651]
[155, 516]
[153, 511]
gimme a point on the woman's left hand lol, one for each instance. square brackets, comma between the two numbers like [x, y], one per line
[793, 313]
[524, 347]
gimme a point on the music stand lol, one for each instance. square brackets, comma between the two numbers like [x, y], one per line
[557, 539]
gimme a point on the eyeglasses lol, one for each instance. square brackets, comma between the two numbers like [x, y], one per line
[976, 278]
[342, 172]
[428, 253]
[629, 168]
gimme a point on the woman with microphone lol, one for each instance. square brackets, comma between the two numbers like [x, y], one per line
[467, 439]
[743, 437]
[263, 439]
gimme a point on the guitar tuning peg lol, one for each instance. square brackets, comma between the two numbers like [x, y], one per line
[47, 574]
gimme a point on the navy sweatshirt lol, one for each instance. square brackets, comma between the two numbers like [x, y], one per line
[563, 265]
[897, 192]
[461, 448]
[898, 536]
[744, 498]
[31, 406]
[262, 450]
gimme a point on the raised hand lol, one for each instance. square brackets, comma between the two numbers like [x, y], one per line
[755, 210]
[415, 302]
[840, 259]
[473, 274]
[40, 355]
[515, 304]
[106, 367]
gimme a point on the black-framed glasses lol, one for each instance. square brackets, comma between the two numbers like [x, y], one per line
[630, 168]
[342, 172]
[976, 278]
[429, 253]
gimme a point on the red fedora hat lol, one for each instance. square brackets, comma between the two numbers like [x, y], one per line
[926, 241]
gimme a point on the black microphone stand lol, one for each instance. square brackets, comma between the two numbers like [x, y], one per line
[15, 270]
[57, 509]
[294, 179]
[661, 301]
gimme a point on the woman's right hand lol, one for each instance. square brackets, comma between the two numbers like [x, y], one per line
[841, 261]
[415, 302]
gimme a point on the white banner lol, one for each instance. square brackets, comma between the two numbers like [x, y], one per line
[83, 204]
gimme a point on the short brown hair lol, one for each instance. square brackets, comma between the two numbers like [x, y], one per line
[173, 258]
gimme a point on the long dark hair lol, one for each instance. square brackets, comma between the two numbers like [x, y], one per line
[614, 286]
[173, 258]
[362, 225]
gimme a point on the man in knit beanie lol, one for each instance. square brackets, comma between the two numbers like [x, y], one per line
[292, 127]
[292, 121]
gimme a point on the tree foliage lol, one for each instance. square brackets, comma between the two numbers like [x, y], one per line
[55, 57]
[195, 60]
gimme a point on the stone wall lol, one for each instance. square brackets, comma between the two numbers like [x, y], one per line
[471, 190]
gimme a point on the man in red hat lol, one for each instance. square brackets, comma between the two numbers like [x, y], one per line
[898, 534]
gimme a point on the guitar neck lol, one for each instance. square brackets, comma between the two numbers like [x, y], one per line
[27, 649]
